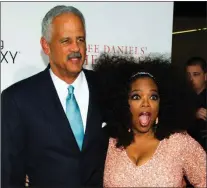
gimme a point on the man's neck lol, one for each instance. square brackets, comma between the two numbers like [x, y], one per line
[67, 77]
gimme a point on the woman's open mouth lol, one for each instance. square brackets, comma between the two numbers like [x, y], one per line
[144, 118]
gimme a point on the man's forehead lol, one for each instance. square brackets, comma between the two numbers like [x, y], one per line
[194, 67]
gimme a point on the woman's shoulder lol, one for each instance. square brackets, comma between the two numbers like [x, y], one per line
[181, 137]
[112, 145]
[182, 140]
[112, 142]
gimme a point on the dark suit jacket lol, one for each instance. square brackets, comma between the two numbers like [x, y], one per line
[199, 129]
[37, 139]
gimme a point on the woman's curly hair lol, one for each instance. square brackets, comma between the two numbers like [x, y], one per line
[177, 99]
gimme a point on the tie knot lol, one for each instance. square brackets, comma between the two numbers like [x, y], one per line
[70, 89]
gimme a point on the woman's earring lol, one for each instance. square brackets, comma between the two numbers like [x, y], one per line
[155, 125]
[129, 130]
[156, 121]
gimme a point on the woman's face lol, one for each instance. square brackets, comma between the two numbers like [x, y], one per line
[144, 104]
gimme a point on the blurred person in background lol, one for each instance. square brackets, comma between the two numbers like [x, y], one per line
[197, 75]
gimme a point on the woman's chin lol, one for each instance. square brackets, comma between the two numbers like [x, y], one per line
[143, 129]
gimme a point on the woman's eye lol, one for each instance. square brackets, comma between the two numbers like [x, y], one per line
[135, 97]
[154, 97]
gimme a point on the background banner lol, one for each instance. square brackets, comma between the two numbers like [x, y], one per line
[136, 28]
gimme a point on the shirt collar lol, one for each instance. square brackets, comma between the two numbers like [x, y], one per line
[62, 85]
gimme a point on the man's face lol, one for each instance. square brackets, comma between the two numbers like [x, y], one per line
[67, 46]
[197, 77]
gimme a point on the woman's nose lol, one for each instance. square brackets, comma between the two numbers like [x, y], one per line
[145, 102]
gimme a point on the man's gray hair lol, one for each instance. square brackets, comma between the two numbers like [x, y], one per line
[55, 11]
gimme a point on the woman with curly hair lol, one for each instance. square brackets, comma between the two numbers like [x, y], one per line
[148, 106]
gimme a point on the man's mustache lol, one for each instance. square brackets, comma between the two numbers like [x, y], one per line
[74, 55]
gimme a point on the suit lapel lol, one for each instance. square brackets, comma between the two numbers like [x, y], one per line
[93, 117]
[54, 112]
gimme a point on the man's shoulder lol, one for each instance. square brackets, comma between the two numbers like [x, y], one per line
[90, 75]
[92, 80]
[204, 93]
[26, 84]
[89, 72]
[201, 99]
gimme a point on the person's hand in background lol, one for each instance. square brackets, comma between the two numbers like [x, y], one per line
[201, 114]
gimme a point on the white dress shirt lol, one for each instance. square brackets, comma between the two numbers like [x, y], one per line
[81, 93]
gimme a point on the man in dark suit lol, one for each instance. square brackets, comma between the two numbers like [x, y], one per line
[197, 74]
[51, 122]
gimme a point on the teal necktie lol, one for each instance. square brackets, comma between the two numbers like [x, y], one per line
[74, 116]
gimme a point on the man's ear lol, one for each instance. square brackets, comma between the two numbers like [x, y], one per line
[45, 46]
